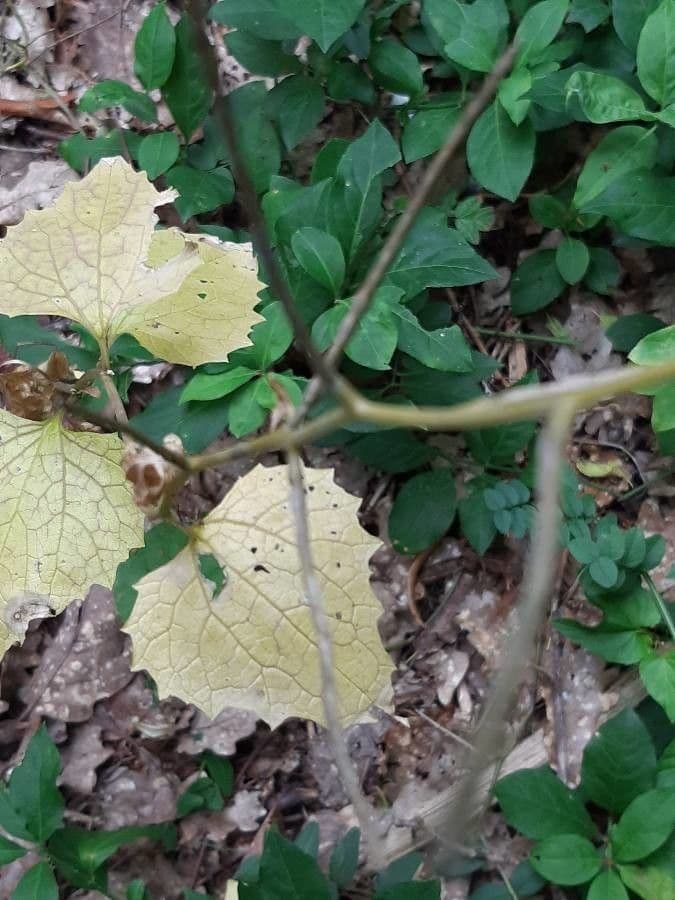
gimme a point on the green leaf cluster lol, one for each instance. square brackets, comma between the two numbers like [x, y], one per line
[627, 787]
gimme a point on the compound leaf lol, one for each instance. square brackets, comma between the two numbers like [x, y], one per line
[253, 644]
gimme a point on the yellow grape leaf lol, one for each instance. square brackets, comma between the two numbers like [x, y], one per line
[252, 645]
[67, 516]
[187, 326]
[86, 258]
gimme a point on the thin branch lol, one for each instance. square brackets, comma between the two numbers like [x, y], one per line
[249, 201]
[524, 336]
[363, 810]
[406, 220]
[539, 577]
[115, 425]
[662, 606]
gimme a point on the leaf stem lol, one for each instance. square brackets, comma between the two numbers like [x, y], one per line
[662, 607]
[522, 336]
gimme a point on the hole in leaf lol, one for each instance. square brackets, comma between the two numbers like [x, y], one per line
[260, 568]
[213, 573]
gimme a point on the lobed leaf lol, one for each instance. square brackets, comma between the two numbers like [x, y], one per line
[253, 645]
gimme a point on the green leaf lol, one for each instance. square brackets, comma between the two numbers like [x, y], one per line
[187, 92]
[480, 35]
[498, 446]
[24, 338]
[259, 56]
[297, 104]
[642, 206]
[246, 414]
[471, 218]
[629, 17]
[627, 331]
[607, 886]
[538, 29]
[500, 154]
[427, 131]
[423, 511]
[645, 825]
[445, 349]
[79, 854]
[162, 543]
[200, 191]
[617, 645]
[158, 152]
[536, 283]
[395, 68]
[136, 890]
[344, 859]
[197, 424]
[82, 153]
[604, 571]
[589, 13]
[203, 386]
[32, 786]
[663, 414]
[116, 93]
[258, 141]
[220, 771]
[399, 871]
[620, 152]
[657, 347]
[572, 258]
[271, 338]
[656, 54]
[286, 873]
[604, 272]
[323, 20]
[328, 158]
[477, 521]
[392, 451]
[648, 883]
[566, 859]
[511, 95]
[368, 156]
[263, 18]
[434, 255]
[37, 884]
[413, 890]
[658, 676]
[154, 48]
[549, 211]
[539, 805]
[201, 794]
[619, 763]
[347, 81]
[321, 256]
[604, 98]
[9, 851]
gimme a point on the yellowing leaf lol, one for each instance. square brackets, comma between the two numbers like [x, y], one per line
[252, 645]
[86, 258]
[67, 517]
[204, 320]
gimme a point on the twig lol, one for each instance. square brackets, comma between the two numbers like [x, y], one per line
[523, 336]
[251, 204]
[363, 810]
[489, 741]
[112, 424]
[406, 220]
[663, 609]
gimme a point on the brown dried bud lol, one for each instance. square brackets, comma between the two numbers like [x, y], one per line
[154, 478]
[32, 393]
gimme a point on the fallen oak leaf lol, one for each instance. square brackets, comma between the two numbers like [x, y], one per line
[86, 258]
[252, 644]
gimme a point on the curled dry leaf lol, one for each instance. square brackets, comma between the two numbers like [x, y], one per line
[154, 478]
[251, 644]
[32, 393]
[67, 517]
[93, 257]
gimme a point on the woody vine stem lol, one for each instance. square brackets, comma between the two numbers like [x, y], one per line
[554, 403]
